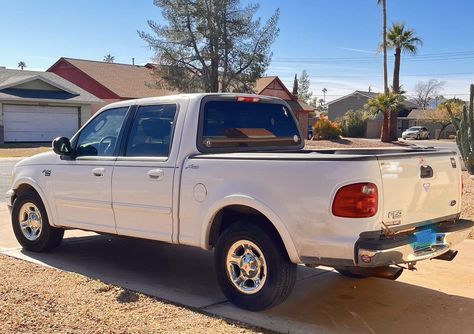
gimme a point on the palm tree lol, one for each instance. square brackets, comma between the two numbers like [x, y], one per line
[402, 40]
[109, 58]
[324, 93]
[386, 103]
[385, 136]
[384, 44]
[22, 65]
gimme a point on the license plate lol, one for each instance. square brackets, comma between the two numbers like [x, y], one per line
[424, 239]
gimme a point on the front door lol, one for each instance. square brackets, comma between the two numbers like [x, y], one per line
[142, 182]
[82, 186]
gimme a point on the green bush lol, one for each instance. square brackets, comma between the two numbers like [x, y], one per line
[325, 129]
[354, 123]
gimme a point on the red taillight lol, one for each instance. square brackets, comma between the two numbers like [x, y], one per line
[359, 200]
[248, 99]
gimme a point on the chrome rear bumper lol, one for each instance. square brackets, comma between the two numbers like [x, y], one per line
[383, 251]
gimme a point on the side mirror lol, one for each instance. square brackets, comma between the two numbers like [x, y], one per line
[62, 146]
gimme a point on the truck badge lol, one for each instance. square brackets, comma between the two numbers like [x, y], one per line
[46, 172]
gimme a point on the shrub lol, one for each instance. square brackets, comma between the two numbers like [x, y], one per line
[325, 129]
[354, 123]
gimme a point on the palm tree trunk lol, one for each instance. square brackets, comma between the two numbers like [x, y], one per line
[392, 127]
[385, 134]
[385, 70]
[396, 71]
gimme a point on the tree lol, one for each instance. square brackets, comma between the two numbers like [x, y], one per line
[304, 85]
[210, 45]
[441, 115]
[384, 44]
[385, 103]
[295, 86]
[109, 58]
[385, 123]
[401, 40]
[22, 65]
[427, 91]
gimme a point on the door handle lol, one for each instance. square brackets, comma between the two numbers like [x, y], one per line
[98, 171]
[155, 174]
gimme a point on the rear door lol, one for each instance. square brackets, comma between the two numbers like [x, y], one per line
[420, 188]
[142, 182]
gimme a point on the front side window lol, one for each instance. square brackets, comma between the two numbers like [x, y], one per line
[232, 124]
[151, 132]
[99, 137]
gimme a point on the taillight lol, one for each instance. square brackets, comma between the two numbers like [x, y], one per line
[358, 200]
[248, 99]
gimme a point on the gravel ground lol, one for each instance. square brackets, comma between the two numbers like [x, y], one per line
[14, 152]
[352, 143]
[468, 199]
[35, 299]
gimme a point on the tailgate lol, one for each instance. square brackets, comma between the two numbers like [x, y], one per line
[420, 187]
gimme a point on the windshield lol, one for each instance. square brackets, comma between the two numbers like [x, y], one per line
[415, 128]
[232, 124]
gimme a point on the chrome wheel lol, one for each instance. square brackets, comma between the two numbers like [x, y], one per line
[246, 266]
[30, 221]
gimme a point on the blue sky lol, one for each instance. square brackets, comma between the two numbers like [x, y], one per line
[335, 41]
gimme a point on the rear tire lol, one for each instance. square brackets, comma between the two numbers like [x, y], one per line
[253, 269]
[31, 224]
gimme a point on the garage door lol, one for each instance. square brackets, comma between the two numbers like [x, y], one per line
[38, 123]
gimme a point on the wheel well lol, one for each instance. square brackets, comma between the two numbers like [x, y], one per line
[21, 189]
[233, 213]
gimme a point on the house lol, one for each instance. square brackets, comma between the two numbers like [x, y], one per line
[421, 117]
[354, 101]
[110, 82]
[39, 106]
[273, 86]
[357, 100]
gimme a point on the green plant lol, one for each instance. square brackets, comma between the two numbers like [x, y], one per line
[354, 122]
[386, 103]
[325, 129]
[465, 132]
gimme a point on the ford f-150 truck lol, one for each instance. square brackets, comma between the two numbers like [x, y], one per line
[229, 172]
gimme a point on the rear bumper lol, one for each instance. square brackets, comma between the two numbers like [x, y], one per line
[376, 251]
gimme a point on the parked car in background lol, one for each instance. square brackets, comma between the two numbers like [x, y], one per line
[416, 132]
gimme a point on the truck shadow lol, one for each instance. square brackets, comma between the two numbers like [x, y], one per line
[322, 300]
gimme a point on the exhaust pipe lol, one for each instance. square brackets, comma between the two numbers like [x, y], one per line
[448, 256]
[391, 273]
[387, 272]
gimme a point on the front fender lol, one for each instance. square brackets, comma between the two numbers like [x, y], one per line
[33, 184]
[257, 205]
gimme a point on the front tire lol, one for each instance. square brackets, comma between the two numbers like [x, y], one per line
[31, 225]
[253, 269]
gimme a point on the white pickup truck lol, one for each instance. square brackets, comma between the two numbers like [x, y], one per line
[229, 172]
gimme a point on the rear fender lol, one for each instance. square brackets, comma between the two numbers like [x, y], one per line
[257, 205]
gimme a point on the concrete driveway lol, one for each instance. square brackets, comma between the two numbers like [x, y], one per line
[439, 298]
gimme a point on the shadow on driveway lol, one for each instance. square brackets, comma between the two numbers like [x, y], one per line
[322, 300]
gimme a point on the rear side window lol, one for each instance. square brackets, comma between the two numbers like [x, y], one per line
[151, 132]
[232, 125]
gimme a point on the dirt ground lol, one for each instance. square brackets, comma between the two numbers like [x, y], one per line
[35, 299]
[22, 150]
